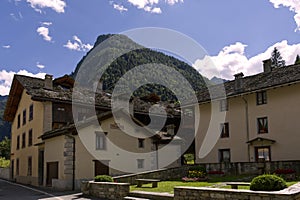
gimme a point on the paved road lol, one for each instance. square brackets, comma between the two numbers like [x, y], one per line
[13, 191]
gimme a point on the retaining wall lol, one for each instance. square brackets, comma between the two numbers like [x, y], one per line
[105, 190]
[5, 173]
[194, 193]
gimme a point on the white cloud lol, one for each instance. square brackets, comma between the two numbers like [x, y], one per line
[120, 7]
[6, 78]
[44, 31]
[293, 5]
[151, 6]
[6, 46]
[172, 2]
[38, 65]
[77, 45]
[56, 5]
[46, 23]
[232, 60]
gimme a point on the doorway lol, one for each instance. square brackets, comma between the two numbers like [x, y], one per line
[101, 167]
[52, 172]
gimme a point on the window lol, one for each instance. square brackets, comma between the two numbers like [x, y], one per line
[31, 112]
[141, 143]
[29, 166]
[23, 140]
[17, 167]
[100, 141]
[19, 120]
[224, 130]
[224, 155]
[24, 116]
[140, 163]
[263, 153]
[223, 105]
[261, 97]
[30, 138]
[18, 142]
[262, 125]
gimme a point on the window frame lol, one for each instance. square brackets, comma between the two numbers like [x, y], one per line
[30, 112]
[141, 143]
[23, 140]
[224, 127]
[223, 105]
[100, 136]
[19, 121]
[18, 142]
[29, 166]
[24, 117]
[17, 167]
[140, 163]
[221, 155]
[261, 98]
[260, 128]
[30, 137]
[257, 159]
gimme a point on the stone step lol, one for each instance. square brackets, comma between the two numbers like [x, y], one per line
[135, 198]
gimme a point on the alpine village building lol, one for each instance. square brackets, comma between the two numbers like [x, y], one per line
[261, 124]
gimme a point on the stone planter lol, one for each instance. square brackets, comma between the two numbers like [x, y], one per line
[105, 190]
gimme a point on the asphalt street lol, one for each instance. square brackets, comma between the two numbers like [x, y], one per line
[13, 191]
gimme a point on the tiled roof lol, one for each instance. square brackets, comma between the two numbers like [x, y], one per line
[265, 80]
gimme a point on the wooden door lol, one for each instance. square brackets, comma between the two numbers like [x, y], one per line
[52, 172]
[101, 167]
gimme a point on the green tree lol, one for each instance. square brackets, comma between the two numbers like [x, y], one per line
[5, 148]
[276, 59]
[297, 61]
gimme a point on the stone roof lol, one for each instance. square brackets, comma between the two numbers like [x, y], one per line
[276, 78]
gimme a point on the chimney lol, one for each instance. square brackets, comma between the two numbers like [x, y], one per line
[171, 129]
[48, 84]
[238, 81]
[267, 65]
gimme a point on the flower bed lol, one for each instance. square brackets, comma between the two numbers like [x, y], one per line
[287, 174]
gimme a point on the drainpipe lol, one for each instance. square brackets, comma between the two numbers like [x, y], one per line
[73, 170]
[247, 124]
[156, 146]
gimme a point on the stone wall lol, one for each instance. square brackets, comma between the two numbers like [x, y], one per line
[110, 191]
[229, 168]
[162, 174]
[5, 173]
[193, 193]
[253, 167]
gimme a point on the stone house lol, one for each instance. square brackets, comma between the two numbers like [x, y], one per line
[261, 118]
[44, 137]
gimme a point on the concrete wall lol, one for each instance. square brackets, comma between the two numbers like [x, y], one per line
[282, 110]
[194, 193]
[5, 173]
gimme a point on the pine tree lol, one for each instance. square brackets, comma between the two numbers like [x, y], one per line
[276, 59]
[297, 61]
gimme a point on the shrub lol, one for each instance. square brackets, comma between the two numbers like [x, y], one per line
[4, 163]
[198, 168]
[103, 178]
[196, 174]
[267, 182]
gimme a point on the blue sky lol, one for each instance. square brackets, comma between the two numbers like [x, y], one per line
[51, 36]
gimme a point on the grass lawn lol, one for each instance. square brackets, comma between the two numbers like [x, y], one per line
[168, 186]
